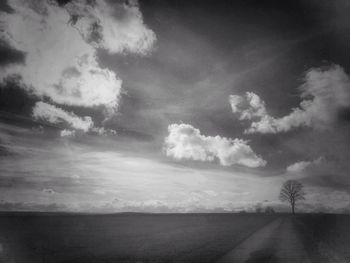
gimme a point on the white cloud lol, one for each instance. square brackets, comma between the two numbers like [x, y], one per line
[119, 203]
[56, 115]
[103, 131]
[67, 133]
[124, 33]
[302, 165]
[186, 142]
[298, 167]
[324, 93]
[60, 45]
[248, 107]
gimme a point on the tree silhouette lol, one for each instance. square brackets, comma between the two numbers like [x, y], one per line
[292, 191]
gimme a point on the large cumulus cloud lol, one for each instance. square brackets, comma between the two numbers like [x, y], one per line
[324, 93]
[186, 142]
[60, 44]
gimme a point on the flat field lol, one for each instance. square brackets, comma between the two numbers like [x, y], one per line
[34, 237]
[326, 236]
[68, 238]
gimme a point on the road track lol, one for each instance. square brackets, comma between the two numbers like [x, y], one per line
[274, 243]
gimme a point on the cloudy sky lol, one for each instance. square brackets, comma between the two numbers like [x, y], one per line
[180, 106]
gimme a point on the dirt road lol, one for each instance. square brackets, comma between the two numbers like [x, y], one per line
[276, 242]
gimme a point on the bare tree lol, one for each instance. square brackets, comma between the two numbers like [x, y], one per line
[292, 191]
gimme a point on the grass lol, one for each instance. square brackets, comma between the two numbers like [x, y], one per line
[30, 237]
[326, 236]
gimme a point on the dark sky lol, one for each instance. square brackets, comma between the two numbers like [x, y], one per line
[173, 105]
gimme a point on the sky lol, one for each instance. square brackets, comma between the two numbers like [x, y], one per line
[173, 106]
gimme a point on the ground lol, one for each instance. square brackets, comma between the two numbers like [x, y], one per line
[50, 237]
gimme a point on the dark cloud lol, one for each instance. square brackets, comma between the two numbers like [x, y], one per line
[25, 180]
[4, 151]
[333, 181]
[63, 2]
[16, 100]
[344, 115]
[8, 55]
[4, 6]
[32, 207]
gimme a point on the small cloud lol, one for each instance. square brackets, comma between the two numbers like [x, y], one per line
[75, 176]
[114, 132]
[302, 165]
[103, 131]
[57, 115]
[67, 133]
[298, 167]
[48, 191]
[186, 142]
[248, 107]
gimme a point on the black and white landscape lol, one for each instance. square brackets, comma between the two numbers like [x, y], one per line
[174, 131]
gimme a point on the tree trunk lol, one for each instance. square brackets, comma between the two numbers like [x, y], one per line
[293, 210]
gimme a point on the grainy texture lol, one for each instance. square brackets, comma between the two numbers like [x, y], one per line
[68, 238]
[326, 236]
[36, 238]
[277, 242]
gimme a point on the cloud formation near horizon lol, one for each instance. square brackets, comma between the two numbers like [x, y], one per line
[186, 142]
[60, 44]
[55, 115]
[67, 133]
[298, 167]
[302, 165]
[324, 93]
